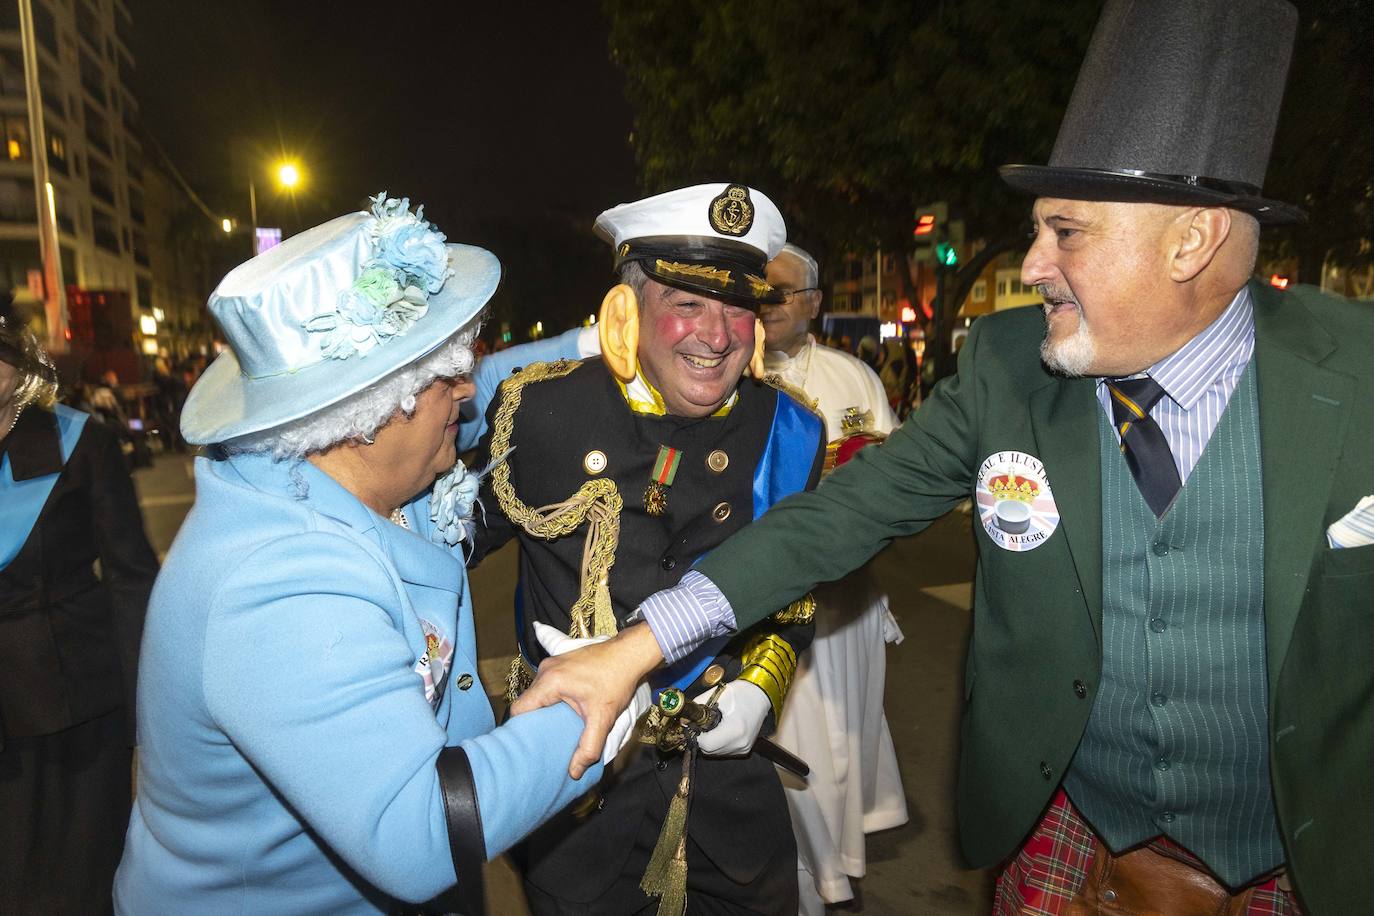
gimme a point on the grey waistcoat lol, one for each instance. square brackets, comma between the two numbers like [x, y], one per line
[1177, 742]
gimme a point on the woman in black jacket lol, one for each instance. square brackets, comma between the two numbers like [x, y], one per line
[68, 640]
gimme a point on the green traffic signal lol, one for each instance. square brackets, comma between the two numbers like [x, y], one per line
[945, 255]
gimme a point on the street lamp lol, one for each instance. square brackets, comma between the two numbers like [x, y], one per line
[288, 176]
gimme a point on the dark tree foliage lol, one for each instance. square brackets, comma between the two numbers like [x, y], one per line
[1324, 152]
[850, 115]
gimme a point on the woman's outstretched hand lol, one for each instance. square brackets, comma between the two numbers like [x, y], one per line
[599, 680]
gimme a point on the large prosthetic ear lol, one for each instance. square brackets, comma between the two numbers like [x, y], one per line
[618, 329]
[755, 367]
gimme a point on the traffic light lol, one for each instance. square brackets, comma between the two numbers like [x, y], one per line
[946, 256]
[930, 221]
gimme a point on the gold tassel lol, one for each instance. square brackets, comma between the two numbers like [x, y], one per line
[674, 899]
[672, 838]
[518, 678]
[603, 615]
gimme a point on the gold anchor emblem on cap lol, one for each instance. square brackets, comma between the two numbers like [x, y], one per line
[732, 212]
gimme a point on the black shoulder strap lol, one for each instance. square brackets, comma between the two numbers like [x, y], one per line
[466, 842]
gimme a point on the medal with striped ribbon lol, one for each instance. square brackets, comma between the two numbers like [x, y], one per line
[660, 479]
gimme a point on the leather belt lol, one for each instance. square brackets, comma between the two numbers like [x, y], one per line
[1150, 880]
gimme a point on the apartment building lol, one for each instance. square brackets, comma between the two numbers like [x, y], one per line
[115, 205]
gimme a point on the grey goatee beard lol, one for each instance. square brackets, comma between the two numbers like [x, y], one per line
[1075, 355]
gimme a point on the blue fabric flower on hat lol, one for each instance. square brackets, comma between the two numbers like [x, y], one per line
[409, 262]
[408, 244]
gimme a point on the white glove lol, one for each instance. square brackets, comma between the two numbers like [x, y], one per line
[557, 643]
[743, 708]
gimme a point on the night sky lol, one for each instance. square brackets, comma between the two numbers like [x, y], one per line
[505, 119]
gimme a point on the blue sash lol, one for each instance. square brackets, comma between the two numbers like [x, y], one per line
[783, 469]
[21, 502]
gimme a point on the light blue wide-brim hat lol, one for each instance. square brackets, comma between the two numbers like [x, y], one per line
[296, 345]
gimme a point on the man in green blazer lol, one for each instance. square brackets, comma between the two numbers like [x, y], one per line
[1170, 684]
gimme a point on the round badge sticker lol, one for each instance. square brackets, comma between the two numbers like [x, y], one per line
[1014, 501]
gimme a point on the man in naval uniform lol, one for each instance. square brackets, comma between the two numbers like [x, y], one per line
[618, 475]
[854, 787]
[1170, 684]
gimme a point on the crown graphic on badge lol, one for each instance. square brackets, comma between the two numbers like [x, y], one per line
[1014, 486]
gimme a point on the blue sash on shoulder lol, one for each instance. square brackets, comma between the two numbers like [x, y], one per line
[22, 501]
[783, 469]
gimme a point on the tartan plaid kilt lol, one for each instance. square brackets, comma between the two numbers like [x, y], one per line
[1047, 873]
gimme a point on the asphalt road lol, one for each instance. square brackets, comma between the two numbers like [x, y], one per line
[913, 869]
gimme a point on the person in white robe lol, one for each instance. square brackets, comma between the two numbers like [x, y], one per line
[835, 721]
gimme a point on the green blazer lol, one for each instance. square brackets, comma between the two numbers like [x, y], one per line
[1035, 657]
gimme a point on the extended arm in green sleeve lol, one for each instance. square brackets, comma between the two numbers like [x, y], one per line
[897, 488]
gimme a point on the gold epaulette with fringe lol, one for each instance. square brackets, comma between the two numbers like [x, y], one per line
[773, 380]
[801, 611]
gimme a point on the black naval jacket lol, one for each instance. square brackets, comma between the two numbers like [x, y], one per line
[738, 812]
[69, 640]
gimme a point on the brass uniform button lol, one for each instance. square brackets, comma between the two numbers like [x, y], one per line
[717, 461]
[721, 512]
[464, 681]
[594, 462]
[713, 675]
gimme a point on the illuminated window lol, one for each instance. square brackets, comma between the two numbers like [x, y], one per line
[16, 137]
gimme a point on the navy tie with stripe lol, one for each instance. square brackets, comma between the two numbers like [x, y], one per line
[1142, 441]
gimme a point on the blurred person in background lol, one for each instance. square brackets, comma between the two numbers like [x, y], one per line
[69, 640]
[167, 402]
[835, 721]
[896, 368]
[869, 353]
[105, 401]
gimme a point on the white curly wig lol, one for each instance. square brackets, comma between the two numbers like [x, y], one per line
[358, 418]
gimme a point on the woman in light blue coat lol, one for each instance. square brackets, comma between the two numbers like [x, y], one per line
[313, 734]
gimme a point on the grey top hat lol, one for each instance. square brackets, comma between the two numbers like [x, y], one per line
[1176, 102]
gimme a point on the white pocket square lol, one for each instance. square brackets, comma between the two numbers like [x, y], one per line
[1356, 529]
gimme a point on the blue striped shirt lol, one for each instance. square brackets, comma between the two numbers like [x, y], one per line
[686, 615]
[1198, 379]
